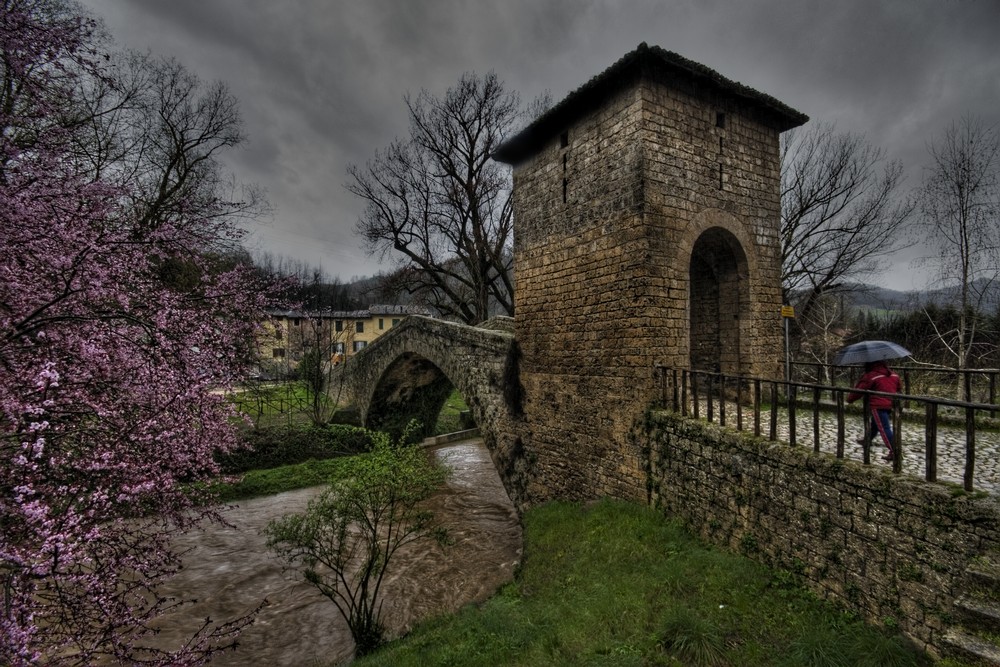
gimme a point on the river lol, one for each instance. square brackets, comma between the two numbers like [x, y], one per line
[230, 570]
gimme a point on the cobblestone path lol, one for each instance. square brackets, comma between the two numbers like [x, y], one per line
[950, 445]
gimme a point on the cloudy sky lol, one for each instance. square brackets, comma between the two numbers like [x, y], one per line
[321, 82]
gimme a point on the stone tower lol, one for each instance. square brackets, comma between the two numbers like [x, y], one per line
[647, 212]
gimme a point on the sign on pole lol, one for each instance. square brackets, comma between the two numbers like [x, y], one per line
[787, 313]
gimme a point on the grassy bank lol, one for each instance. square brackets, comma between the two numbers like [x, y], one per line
[615, 584]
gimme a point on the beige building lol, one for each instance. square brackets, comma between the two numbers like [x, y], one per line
[337, 335]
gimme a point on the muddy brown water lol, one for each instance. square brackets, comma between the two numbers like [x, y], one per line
[230, 570]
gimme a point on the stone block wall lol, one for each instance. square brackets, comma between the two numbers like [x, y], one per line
[887, 546]
[409, 372]
[582, 271]
[712, 189]
[609, 214]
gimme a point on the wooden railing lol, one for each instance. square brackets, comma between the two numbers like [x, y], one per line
[979, 384]
[763, 405]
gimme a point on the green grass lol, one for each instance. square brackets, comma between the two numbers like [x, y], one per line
[279, 404]
[274, 480]
[615, 584]
[449, 419]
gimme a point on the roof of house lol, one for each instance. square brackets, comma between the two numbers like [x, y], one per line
[372, 311]
[645, 61]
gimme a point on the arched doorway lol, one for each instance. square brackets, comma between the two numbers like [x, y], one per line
[719, 302]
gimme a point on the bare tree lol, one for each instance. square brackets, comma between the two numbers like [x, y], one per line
[960, 204]
[440, 202]
[151, 123]
[841, 212]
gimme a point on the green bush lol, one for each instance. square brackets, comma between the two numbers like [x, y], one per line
[273, 446]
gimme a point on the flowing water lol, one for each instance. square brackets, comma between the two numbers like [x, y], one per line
[230, 570]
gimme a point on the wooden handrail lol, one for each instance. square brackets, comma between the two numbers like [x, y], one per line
[692, 387]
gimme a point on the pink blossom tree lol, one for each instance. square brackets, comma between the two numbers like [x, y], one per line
[107, 360]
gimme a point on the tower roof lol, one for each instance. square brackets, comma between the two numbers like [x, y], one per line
[645, 62]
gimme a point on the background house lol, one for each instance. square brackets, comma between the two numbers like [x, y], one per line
[336, 335]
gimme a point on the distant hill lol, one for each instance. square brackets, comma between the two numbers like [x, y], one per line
[873, 297]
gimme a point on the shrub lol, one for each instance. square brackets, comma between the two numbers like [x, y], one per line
[270, 447]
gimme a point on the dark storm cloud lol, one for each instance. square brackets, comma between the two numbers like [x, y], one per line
[321, 82]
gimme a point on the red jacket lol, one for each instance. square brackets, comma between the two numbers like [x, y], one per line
[879, 378]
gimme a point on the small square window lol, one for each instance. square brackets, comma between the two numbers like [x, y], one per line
[338, 325]
[359, 327]
[278, 353]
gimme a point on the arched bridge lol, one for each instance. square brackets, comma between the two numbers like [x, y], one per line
[408, 373]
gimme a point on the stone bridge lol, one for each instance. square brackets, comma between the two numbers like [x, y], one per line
[647, 235]
[409, 372]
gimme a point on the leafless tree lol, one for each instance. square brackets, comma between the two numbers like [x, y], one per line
[441, 205]
[841, 212]
[153, 124]
[959, 205]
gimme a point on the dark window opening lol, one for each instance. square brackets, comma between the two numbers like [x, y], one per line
[720, 119]
[359, 327]
[338, 325]
[381, 324]
[564, 140]
[295, 322]
[565, 185]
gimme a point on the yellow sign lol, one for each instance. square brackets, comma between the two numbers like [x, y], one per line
[788, 311]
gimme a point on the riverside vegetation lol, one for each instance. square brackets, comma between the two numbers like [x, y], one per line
[607, 583]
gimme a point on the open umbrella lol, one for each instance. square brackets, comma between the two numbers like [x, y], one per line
[868, 350]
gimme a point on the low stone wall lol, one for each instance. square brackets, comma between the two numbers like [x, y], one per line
[893, 548]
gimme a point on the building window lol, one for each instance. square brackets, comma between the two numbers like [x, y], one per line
[278, 353]
[277, 334]
[359, 345]
[720, 119]
[381, 324]
[359, 327]
[295, 322]
[338, 348]
[338, 325]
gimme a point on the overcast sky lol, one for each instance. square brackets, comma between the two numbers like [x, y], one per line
[321, 82]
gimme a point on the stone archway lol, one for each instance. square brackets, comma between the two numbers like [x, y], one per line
[719, 302]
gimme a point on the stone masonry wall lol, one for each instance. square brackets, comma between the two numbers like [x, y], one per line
[888, 546]
[710, 165]
[607, 218]
[408, 371]
[581, 269]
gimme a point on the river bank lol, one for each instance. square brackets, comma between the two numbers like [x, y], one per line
[231, 571]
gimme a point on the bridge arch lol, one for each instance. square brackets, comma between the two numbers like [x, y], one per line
[409, 372]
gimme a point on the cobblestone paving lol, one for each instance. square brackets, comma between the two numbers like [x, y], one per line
[950, 445]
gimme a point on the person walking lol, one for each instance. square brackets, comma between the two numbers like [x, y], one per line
[878, 377]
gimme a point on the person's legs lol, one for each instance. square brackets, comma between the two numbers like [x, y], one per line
[882, 422]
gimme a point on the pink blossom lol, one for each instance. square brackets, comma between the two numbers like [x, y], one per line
[105, 368]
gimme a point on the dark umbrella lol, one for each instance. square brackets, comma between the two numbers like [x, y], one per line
[868, 350]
